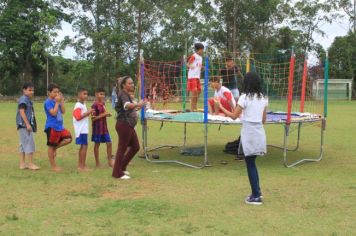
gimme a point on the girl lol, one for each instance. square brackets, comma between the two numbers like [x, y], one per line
[252, 105]
[125, 128]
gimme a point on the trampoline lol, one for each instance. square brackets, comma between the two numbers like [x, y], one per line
[297, 92]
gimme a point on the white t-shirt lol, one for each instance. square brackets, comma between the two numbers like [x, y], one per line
[225, 93]
[196, 63]
[80, 126]
[253, 108]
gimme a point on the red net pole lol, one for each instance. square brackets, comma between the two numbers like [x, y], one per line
[290, 87]
[304, 82]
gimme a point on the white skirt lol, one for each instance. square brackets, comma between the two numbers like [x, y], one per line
[253, 139]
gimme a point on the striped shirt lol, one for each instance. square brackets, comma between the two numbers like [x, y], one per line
[99, 127]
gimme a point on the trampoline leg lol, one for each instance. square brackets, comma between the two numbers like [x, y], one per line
[146, 150]
[185, 135]
[298, 141]
[206, 161]
[317, 159]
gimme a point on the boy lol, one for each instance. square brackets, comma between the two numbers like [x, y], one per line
[230, 75]
[100, 133]
[57, 135]
[26, 126]
[223, 95]
[195, 64]
[81, 127]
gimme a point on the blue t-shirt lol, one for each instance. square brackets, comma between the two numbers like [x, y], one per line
[54, 122]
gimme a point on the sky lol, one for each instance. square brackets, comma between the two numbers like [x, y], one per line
[336, 28]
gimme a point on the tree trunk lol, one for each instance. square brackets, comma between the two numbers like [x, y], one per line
[139, 42]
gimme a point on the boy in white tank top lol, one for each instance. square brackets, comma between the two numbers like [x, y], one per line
[195, 63]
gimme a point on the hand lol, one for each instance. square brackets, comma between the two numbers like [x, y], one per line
[29, 128]
[61, 96]
[108, 114]
[58, 98]
[91, 112]
[217, 101]
[141, 104]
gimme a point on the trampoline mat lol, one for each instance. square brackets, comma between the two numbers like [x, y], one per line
[198, 117]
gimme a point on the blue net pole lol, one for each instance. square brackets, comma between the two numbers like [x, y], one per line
[142, 75]
[326, 85]
[206, 87]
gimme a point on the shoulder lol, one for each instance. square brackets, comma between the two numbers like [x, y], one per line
[23, 99]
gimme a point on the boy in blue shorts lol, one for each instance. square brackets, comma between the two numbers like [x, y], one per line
[81, 127]
[100, 132]
[26, 126]
[57, 135]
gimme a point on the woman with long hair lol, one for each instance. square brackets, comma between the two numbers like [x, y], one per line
[252, 105]
[125, 127]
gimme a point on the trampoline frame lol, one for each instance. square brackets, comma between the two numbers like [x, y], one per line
[205, 163]
[205, 121]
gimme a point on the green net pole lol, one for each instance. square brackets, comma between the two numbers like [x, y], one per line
[326, 84]
[184, 82]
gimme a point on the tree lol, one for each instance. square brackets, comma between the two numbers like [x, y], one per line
[26, 32]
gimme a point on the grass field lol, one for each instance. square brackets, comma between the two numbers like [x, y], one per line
[311, 199]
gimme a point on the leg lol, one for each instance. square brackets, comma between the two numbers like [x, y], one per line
[96, 154]
[82, 155]
[124, 134]
[31, 165]
[22, 161]
[109, 153]
[253, 175]
[52, 161]
[134, 148]
[64, 142]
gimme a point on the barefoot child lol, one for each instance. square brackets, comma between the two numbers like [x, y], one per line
[26, 126]
[57, 135]
[223, 94]
[195, 64]
[100, 133]
[253, 105]
[81, 127]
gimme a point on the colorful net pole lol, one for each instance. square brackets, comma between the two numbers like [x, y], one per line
[248, 62]
[304, 82]
[142, 77]
[326, 84]
[290, 87]
[184, 82]
[206, 87]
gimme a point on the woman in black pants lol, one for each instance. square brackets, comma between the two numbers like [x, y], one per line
[125, 127]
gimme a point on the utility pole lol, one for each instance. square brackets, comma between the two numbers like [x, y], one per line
[47, 73]
[354, 17]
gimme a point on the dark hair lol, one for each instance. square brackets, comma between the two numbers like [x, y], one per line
[215, 79]
[229, 58]
[79, 90]
[123, 80]
[52, 86]
[198, 46]
[27, 85]
[252, 85]
[100, 90]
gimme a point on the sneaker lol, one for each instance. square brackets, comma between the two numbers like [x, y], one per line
[126, 173]
[239, 158]
[125, 177]
[253, 200]
[261, 196]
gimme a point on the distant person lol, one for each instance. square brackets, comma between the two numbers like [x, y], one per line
[57, 135]
[195, 64]
[165, 96]
[26, 127]
[252, 105]
[81, 126]
[128, 145]
[113, 97]
[100, 132]
[223, 95]
[230, 75]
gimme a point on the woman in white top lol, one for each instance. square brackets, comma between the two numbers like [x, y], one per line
[252, 108]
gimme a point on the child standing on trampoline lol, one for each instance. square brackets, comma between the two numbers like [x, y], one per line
[195, 64]
[252, 105]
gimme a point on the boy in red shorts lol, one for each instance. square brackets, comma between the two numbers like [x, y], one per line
[195, 64]
[57, 135]
[223, 95]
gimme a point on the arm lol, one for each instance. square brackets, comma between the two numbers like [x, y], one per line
[235, 114]
[23, 116]
[54, 110]
[132, 106]
[264, 116]
[102, 115]
[78, 116]
[63, 108]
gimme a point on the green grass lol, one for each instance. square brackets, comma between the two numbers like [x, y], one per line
[311, 199]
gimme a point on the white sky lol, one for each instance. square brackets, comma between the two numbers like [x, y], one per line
[337, 28]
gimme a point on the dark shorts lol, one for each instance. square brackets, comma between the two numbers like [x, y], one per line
[55, 137]
[82, 139]
[101, 138]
